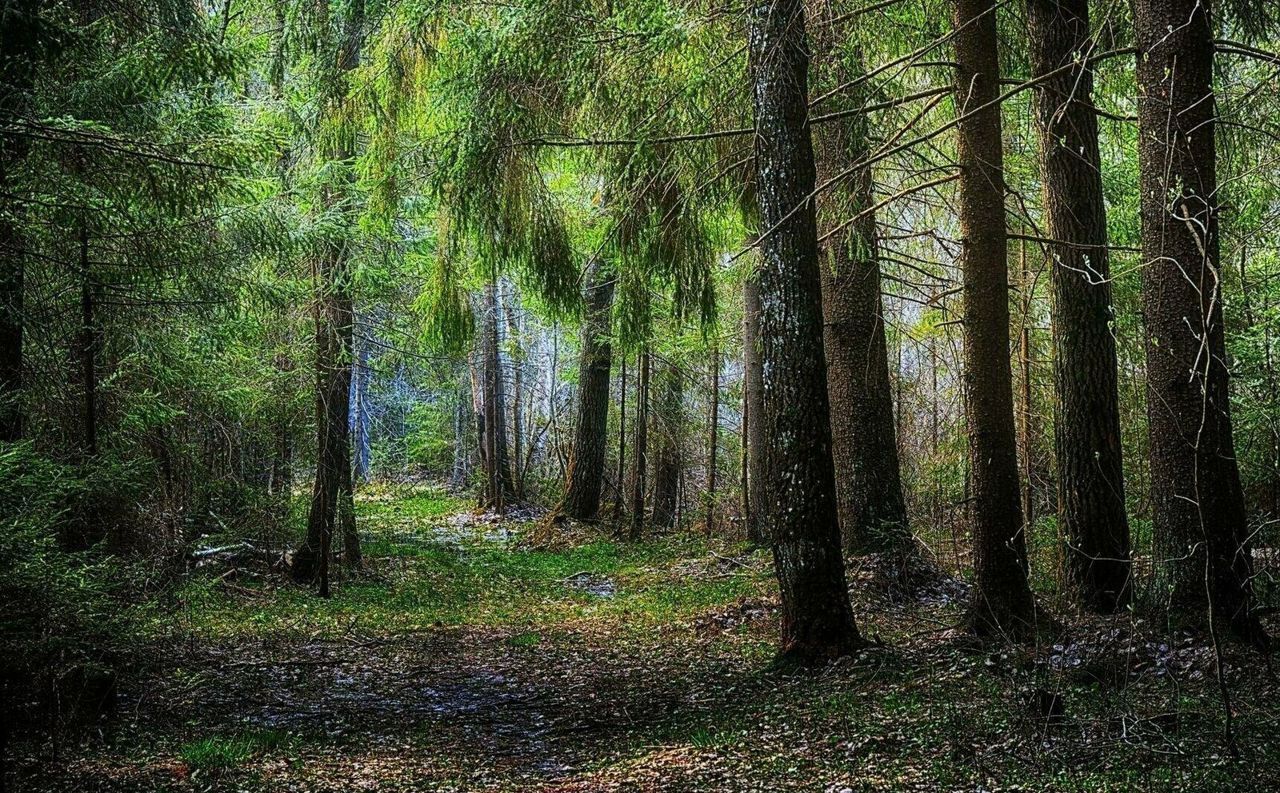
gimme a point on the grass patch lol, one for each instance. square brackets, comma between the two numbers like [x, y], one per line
[224, 753]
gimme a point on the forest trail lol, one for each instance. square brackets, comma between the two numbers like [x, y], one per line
[465, 660]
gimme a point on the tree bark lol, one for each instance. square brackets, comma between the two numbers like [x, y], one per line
[585, 475]
[640, 433]
[89, 344]
[668, 423]
[1087, 447]
[1002, 601]
[713, 439]
[1203, 560]
[753, 425]
[873, 513]
[799, 481]
[332, 504]
[497, 460]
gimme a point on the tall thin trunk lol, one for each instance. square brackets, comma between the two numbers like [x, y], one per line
[1087, 447]
[1002, 601]
[668, 424]
[640, 430]
[620, 487]
[753, 429]
[713, 439]
[585, 475]
[1026, 410]
[517, 391]
[12, 265]
[332, 504]
[800, 499]
[1203, 560]
[873, 513]
[89, 344]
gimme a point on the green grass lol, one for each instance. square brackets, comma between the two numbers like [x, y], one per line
[421, 575]
[226, 752]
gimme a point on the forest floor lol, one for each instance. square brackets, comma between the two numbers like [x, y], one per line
[465, 659]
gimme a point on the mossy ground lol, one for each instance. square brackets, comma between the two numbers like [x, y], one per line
[464, 660]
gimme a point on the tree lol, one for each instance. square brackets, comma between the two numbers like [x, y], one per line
[640, 440]
[332, 506]
[873, 514]
[799, 502]
[1091, 506]
[753, 426]
[494, 438]
[1002, 601]
[1203, 560]
[668, 424]
[19, 39]
[585, 475]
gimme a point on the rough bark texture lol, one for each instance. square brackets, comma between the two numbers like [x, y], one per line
[799, 501]
[1002, 600]
[753, 429]
[668, 423]
[499, 491]
[332, 507]
[713, 440]
[873, 513]
[1091, 504]
[1203, 561]
[641, 444]
[585, 476]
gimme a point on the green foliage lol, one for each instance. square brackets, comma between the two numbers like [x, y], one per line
[224, 753]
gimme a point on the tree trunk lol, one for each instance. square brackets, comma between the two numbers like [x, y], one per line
[1002, 601]
[622, 439]
[590, 439]
[640, 434]
[1203, 560]
[497, 460]
[713, 439]
[873, 514]
[89, 345]
[517, 391]
[12, 255]
[1087, 448]
[753, 425]
[332, 504]
[19, 39]
[668, 423]
[799, 481]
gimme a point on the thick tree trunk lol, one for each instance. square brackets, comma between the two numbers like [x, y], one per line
[753, 410]
[668, 423]
[585, 475]
[497, 460]
[873, 514]
[1203, 561]
[799, 481]
[1002, 601]
[640, 434]
[1087, 448]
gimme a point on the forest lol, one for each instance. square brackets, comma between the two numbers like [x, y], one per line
[639, 395]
